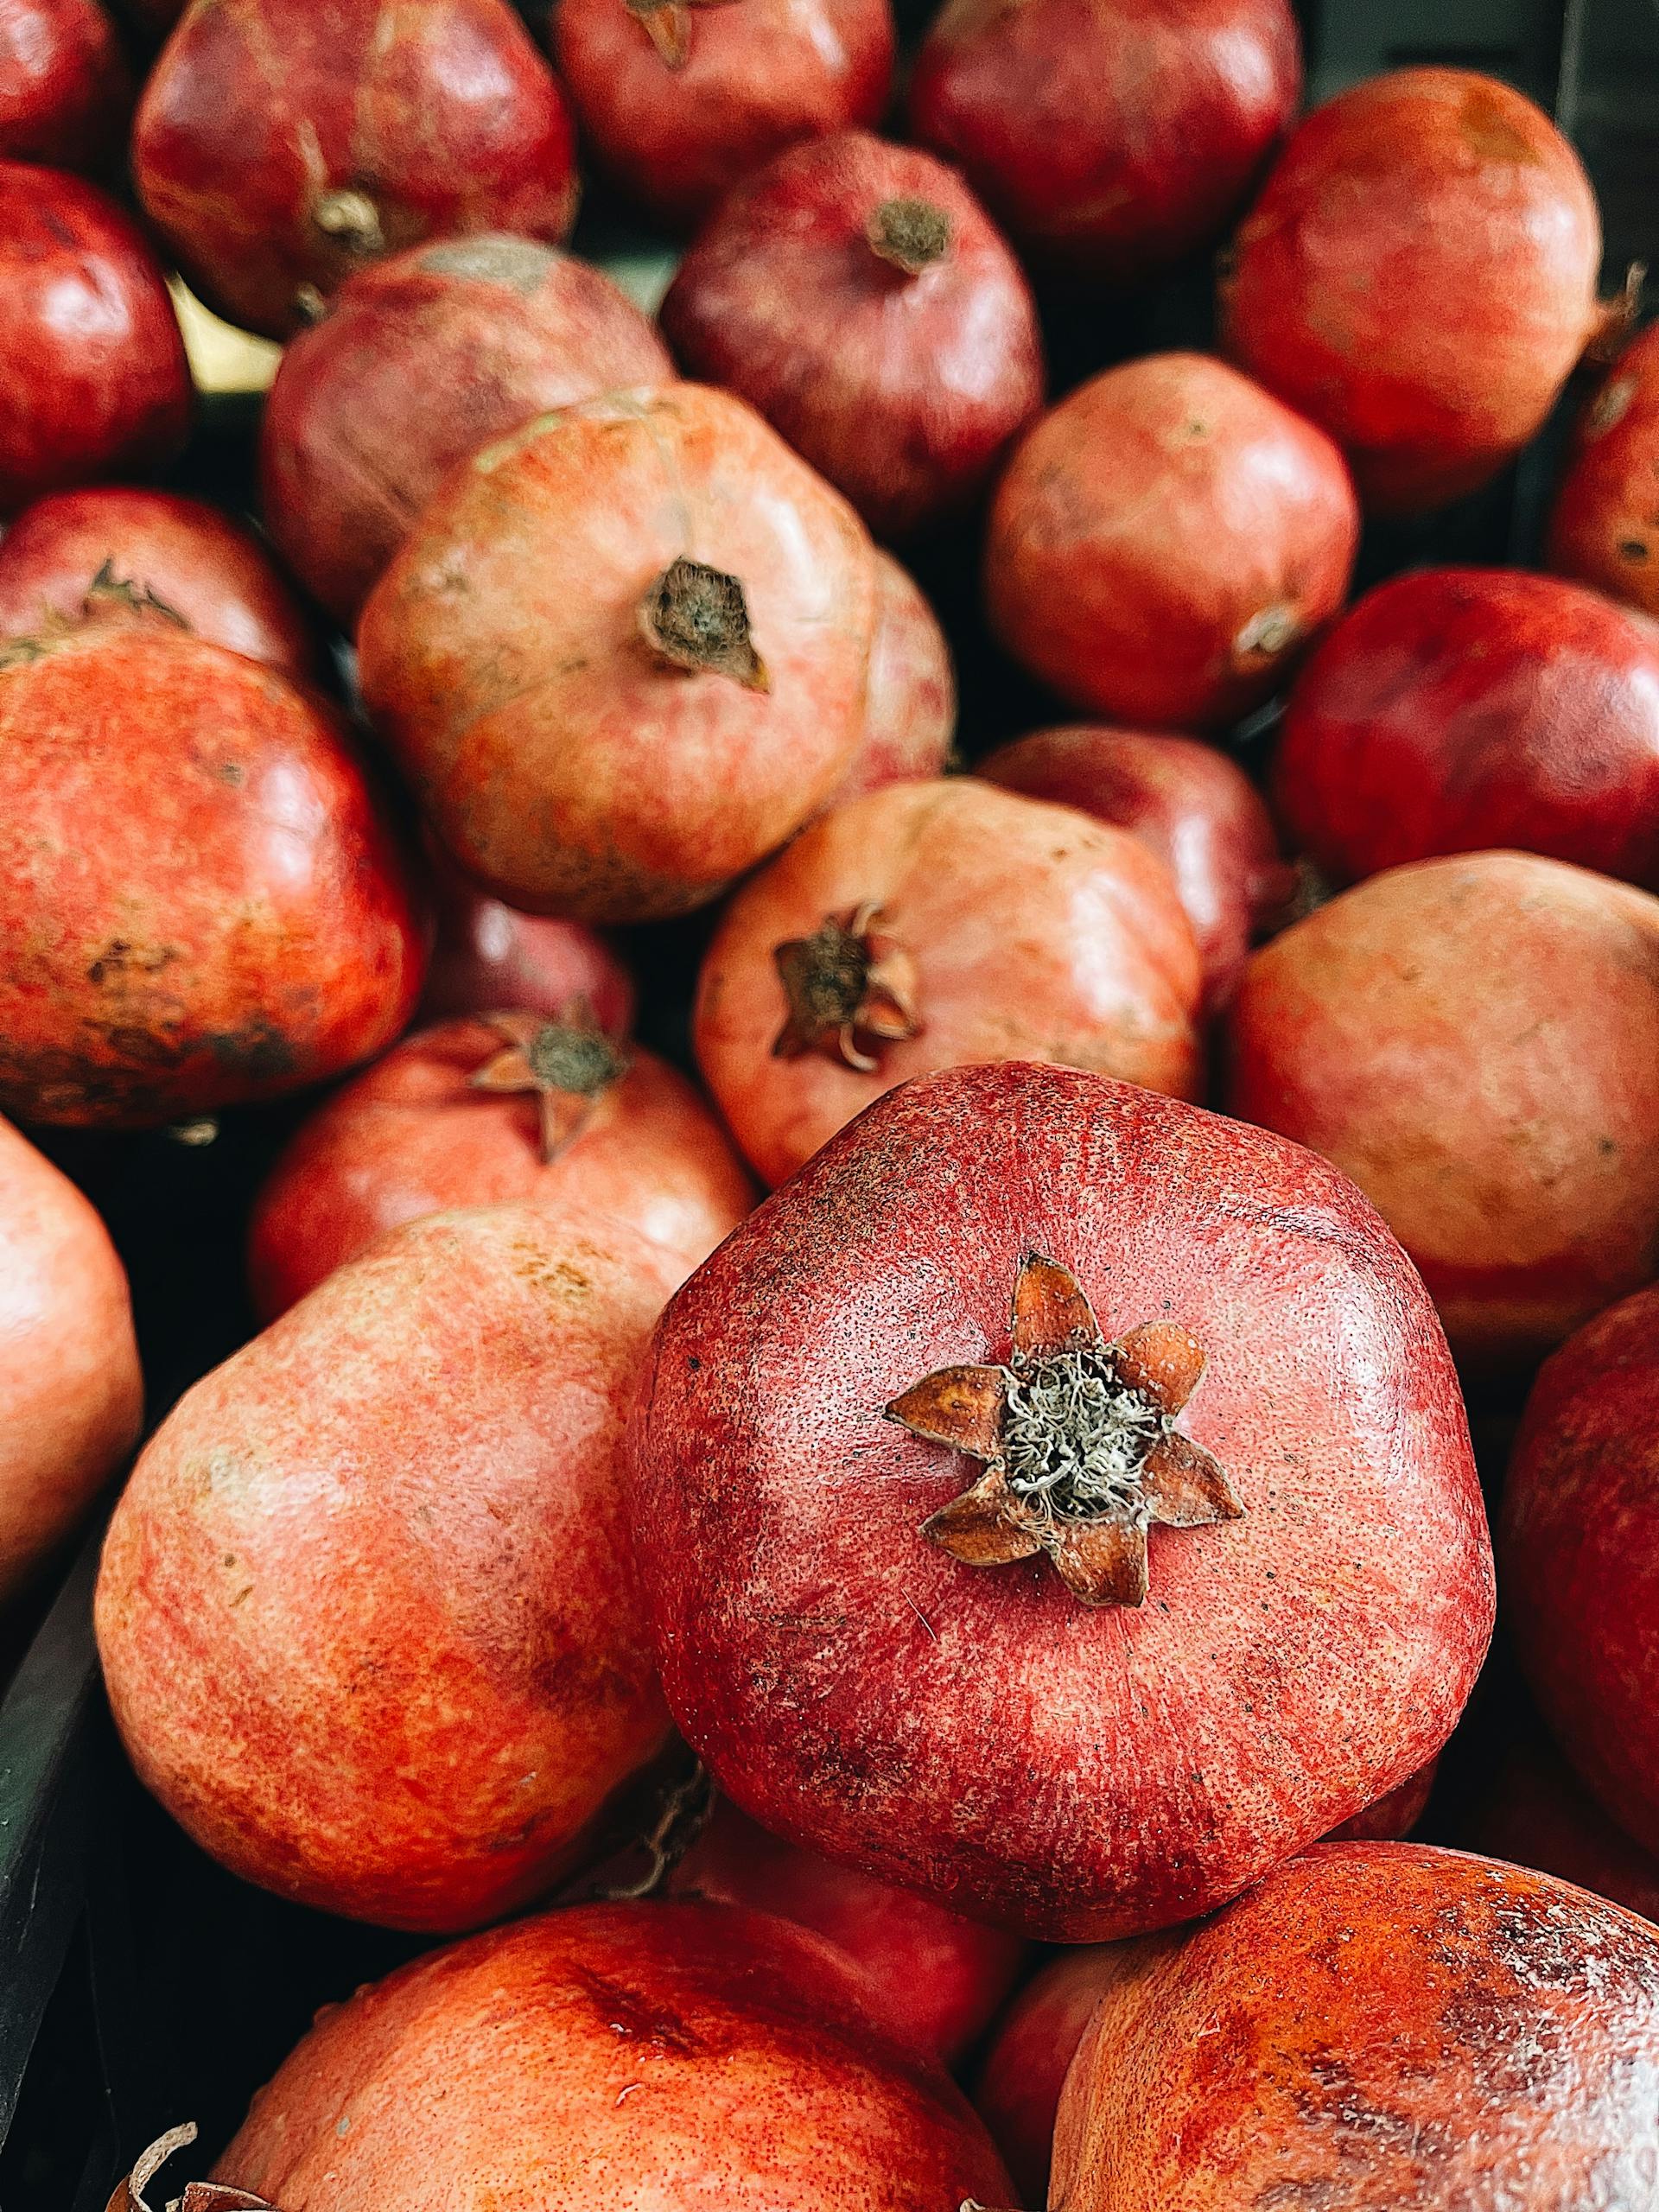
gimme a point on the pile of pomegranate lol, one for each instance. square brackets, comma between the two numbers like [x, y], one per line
[842, 1479]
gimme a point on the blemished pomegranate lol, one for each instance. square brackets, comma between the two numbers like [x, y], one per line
[1112, 140]
[486, 956]
[413, 1700]
[1192, 806]
[679, 100]
[94, 380]
[158, 552]
[66, 90]
[1473, 1038]
[420, 360]
[199, 903]
[855, 294]
[1419, 278]
[1604, 527]
[71, 1392]
[623, 654]
[1376, 2025]
[480, 1111]
[910, 702]
[616, 2057]
[1456, 710]
[1534, 1811]
[280, 146]
[932, 925]
[1046, 1657]
[1166, 543]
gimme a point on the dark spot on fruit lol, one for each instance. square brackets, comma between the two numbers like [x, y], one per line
[1632, 549]
[628, 2014]
[257, 1050]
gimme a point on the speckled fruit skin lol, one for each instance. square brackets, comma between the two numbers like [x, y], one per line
[213, 574]
[1419, 278]
[199, 904]
[1534, 1811]
[1114, 139]
[437, 117]
[1473, 1040]
[904, 389]
[909, 704]
[486, 956]
[363, 1609]
[66, 91]
[1459, 710]
[941, 1978]
[758, 75]
[1193, 806]
[1392, 1816]
[93, 381]
[1377, 2025]
[1604, 528]
[566, 765]
[615, 2058]
[1074, 1773]
[70, 1393]
[411, 1136]
[420, 360]
[1037, 935]
[1165, 543]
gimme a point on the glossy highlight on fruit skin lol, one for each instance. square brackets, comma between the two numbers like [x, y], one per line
[486, 956]
[1167, 542]
[66, 91]
[910, 702]
[1604, 528]
[975, 1734]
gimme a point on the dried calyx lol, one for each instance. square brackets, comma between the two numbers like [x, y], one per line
[697, 618]
[847, 985]
[667, 23]
[107, 589]
[568, 1065]
[909, 234]
[199, 2195]
[350, 219]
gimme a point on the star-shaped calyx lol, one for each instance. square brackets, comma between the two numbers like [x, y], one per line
[568, 1064]
[1079, 1441]
[847, 985]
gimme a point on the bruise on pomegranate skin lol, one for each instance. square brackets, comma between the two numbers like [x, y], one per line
[846, 982]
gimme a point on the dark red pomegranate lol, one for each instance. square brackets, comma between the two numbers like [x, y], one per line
[1392, 1816]
[997, 1683]
[679, 98]
[1534, 1811]
[93, 381]
[420, 360]
[1604, 528]
[1112, 138]
[1419, 278]
[280, 146]
[854, 292]
[1167, 542]
[909, 702]
[66, 91]
[486, 956]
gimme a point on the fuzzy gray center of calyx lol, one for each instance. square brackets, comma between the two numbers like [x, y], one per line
[577, 1060]
[1075, 1436]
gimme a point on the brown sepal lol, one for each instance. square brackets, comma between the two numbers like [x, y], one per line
[847, 980]
[1051, 1312]
[1186, 1487]
[199, 2195]
[568, 1064]
[982, 1527]
[1162, 1359]
[1103, 1562]
[959, 1406]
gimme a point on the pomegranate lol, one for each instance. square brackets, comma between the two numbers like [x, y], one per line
[855, 293]
[1534, 1812]
[910, 705]
[1419, 278]
[1604, 528]
[1167, 542]
[280, 146]
[199, 905]
[488, 955]
[93, 379]
[618, 2058]
[157, 552]
[679, 98]
[66, 91]
[623, 655]
[931, 925]
[478, 1111]
[957, 1678]
[1473, 1040]
[1113, 137]
[1376, 2025]
[1394, 1815]
[1196, 808]
[420, 360]
[1458, 709]
[71, 1392]
[363, 1609]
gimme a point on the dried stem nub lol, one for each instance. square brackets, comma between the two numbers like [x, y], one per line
[697, 618]
[909, 234]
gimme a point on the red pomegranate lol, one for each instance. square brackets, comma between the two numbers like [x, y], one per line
[364, 1608]
[1196, 808]
[854, 292]
[1419, 278]
[1604, 528]
[679, 98]
[1112, 139]
[420, 360]
[1534, 1812]
[156, 551]
[933, 925]
[71, 1392]
[485, 955]
[999, 1684]
[1459, 710]
[619, 2058]
[1376, 2026]
[1165, 543]
[94, 380]
[1473, 1040]
[279, 146]
[910, 703]
[199, 904]
[475, 1112]
[66, 91]
[623, 654]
